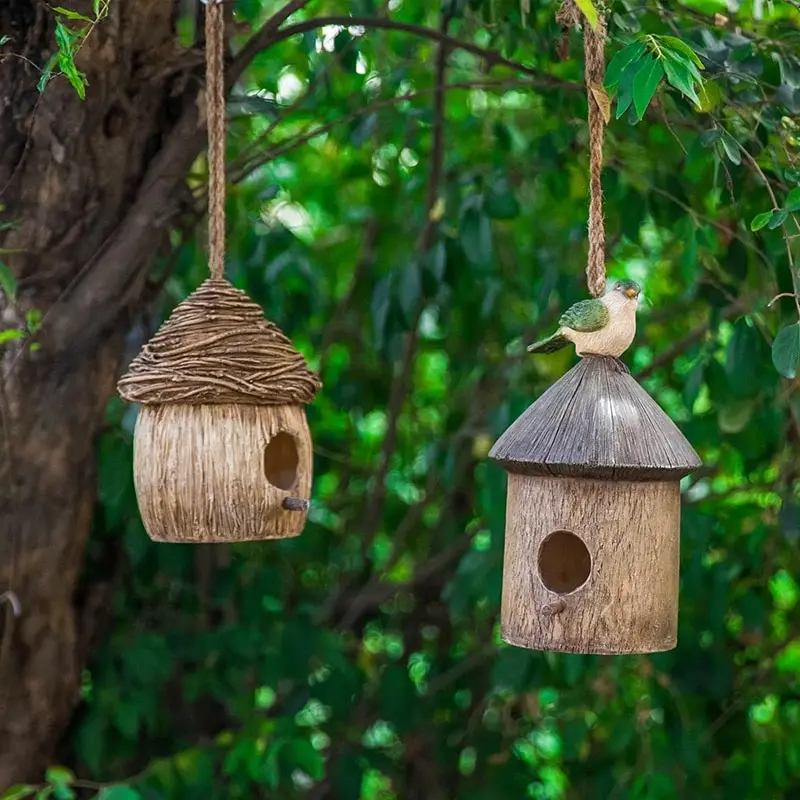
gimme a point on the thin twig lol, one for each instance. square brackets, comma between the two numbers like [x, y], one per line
[779, 296]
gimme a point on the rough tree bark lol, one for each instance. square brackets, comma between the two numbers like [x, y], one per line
[80, 181]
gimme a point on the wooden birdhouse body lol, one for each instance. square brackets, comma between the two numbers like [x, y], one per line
[593, 517]
[222, 449]
[199, 470]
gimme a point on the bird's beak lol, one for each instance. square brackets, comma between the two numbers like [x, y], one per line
[631, 292]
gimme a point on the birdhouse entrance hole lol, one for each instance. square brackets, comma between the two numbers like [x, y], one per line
[281, 461]
[564, 562]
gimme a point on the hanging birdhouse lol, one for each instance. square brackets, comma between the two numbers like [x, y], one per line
[593, 516]
[222, 450]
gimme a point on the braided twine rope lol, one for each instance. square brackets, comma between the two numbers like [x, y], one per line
[217, 347]
[594, 49]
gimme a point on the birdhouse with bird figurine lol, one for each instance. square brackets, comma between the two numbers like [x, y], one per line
[591, 559]
[222, 449]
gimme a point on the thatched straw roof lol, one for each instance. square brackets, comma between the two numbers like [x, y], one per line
[217, 347]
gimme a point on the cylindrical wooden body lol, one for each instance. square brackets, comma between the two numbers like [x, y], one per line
[221, 473]
[629, 600]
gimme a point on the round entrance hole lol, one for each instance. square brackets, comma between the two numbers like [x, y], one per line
[564, 562]
[281, 460]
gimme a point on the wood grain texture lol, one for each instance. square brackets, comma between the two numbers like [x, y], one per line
[629, 604]
[597, 422]
[200, 475]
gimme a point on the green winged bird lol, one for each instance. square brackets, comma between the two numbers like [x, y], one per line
[604, 326]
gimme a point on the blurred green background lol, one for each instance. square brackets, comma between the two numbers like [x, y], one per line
[362, 660]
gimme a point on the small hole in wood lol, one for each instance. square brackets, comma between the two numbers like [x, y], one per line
[564, 562]
[281, 461]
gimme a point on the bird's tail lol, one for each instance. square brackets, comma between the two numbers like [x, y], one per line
[550, 344]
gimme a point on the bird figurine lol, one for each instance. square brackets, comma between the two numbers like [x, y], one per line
[603, 326]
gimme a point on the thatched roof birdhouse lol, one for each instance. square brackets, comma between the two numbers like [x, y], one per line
[593, 516]
[222, 450]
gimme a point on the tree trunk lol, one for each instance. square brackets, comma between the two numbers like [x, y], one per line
[81, 181]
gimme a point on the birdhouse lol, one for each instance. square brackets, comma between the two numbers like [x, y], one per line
[593, 516]
[222, 450]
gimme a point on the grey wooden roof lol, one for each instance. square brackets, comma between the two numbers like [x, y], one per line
[596, 422]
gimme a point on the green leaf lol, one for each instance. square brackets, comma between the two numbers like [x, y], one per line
[710, 136]
[47, 72]
[410, 291]
[33, 319]
[621, 61]
[680, 77]
[793, 200]
[381, 299]
[8, 283]
[436, 262]
[475, 233]
[683, 47]
[589, 11]
[60, 776]
[788, 660]
[18, 792]
[645, 84]
[72, 14]
[65, 39]
[11, 335]
[119, 793]
[786, 350]
[731, 148]
[625, 93]
[744, 357]
[709, 95]
[777, 218]
[305, 757]
[760, 220]
[693, 384]
[500, 200]
[685, 63]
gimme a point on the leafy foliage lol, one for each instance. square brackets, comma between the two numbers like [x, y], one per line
[363, 659]
[636, 72]
[69, 42]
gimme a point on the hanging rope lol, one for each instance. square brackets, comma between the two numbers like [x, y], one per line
[594, 49]
[215, 113]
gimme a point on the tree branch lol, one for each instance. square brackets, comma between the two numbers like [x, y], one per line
[266, 38]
